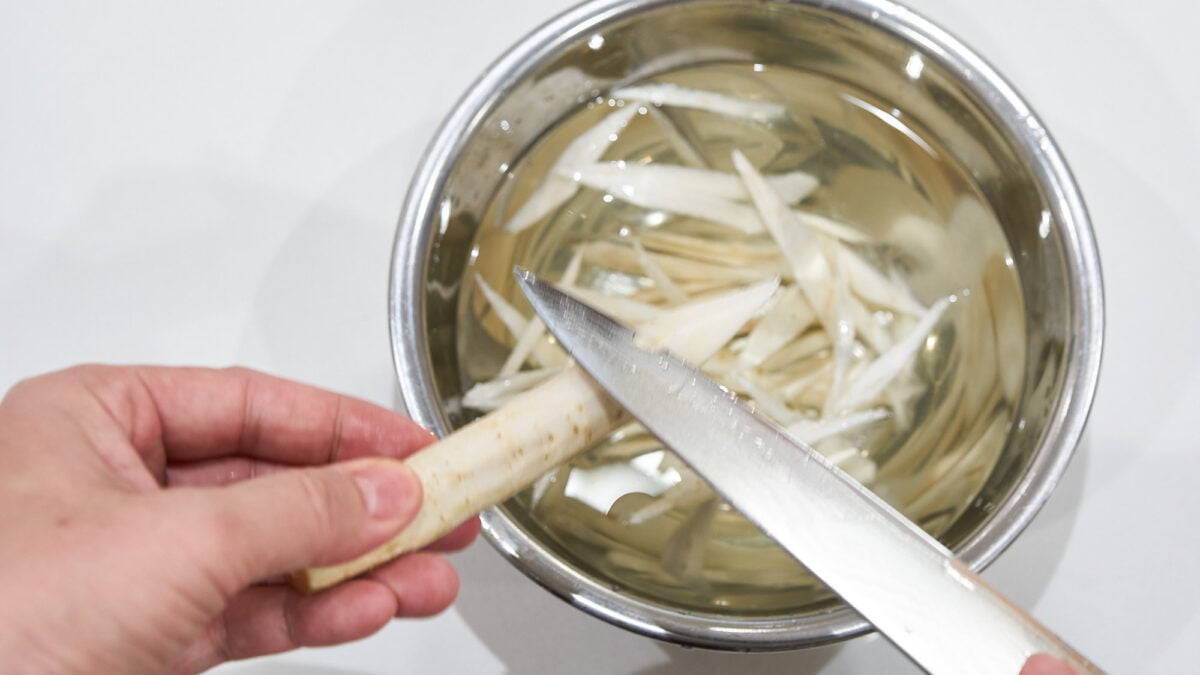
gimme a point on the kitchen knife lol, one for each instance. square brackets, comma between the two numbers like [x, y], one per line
[903, 581]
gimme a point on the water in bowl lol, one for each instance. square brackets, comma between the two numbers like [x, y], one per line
[926, 226]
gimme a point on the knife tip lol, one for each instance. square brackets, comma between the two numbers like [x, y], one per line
[523, 274]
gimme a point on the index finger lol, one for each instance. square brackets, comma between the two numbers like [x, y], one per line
[205, 414]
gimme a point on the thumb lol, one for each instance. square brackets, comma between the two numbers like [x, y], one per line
[282, 522]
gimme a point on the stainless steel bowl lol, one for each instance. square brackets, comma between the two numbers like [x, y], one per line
[871, 44]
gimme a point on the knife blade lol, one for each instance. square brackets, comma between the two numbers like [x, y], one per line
[903, 581]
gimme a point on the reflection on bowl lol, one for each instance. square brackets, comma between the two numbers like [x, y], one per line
[913, 139]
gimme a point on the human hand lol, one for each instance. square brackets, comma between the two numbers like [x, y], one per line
[148, 514]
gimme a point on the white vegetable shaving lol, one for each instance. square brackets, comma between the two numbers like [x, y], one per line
[874, 286]
[686, 150]
[694, 324]
[872, 331]
[510, 316]
[673, 294]
[618, 257]
[766, 402]
[527, 331]
[830, 227]
[652, 190]
[875, 377]
[555, 190]
[492, 394]
[533, 338]
[787, 318]
[795, 241]
[690, 491]
[843, 336]
[530, 338]
[812, 432]
[622, 177]
[726, 253]
[683, 555]
[623, 309]
[684, 97]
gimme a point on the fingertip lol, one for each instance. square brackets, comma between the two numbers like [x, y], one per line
[390, 490]
[348, 612]
[270, 619]
[424, 583]
[1045, 664]
[457, 539]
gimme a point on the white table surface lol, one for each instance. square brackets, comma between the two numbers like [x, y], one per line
[218, 182]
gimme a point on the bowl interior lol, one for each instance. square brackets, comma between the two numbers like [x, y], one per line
[939, 87]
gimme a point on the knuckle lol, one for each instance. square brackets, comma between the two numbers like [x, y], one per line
[49, 389]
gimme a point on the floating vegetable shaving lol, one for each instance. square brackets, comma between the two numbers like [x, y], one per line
[664, 94]
[556, 189]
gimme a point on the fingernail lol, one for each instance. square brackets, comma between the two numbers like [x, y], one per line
[389, 489]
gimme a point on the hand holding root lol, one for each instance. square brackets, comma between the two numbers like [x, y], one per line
[169, 503]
